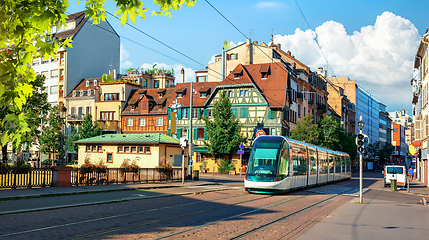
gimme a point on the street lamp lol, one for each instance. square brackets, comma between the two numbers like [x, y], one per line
[63, 111]
[361, 124]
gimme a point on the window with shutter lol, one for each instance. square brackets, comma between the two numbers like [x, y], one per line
[169, 113]
[179, 113]
[235, 112]
[205, 112]
[205, 134]
[195, 133]
[168, 132]
[243, 112]
[179, 133]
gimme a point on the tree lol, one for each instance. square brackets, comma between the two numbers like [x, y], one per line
[52, 134]
[223, 132]
[23, 28]
[336, 138]
[35, 107]
[86, 130]
[382, 151]
[306, 131]
[331, 133]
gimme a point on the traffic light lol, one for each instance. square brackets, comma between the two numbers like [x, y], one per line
[360, 142]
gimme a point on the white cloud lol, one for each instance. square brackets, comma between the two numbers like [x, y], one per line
[124, 53]
[189, 72]
[126, 64]
[379, 57]
[268, 5]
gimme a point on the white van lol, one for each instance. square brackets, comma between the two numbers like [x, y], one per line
[397, 172]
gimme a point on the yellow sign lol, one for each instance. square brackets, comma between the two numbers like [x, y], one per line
[412, 149]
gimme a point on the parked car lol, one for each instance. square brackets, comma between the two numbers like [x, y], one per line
[73, 163]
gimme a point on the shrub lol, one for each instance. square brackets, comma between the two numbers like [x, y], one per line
[225, 165]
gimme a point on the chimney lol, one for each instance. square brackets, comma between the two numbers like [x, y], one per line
[255, 42]
[278, 45]
[288, 53]
[182, 75]
[115, 74]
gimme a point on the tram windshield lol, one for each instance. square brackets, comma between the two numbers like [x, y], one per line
[265, 157]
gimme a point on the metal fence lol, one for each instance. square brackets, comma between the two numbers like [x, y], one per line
[118, 176]
[17, 178]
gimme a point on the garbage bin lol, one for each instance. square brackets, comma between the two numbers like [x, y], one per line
[393, 185]
[196, 175]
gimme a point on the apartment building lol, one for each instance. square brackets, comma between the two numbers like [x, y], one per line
[403, 118]
[398, 141]
[342, 107]
[96, 50]
[366, 104]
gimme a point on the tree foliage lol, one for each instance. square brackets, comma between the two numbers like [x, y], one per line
[223, 132]
[86, 130]
[23, 28]
[35, 109]
[306, 131]
[382, 151]
[51, 133]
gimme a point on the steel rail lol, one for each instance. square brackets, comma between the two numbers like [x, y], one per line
[119, 215]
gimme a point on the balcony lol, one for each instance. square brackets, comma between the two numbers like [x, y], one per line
[299, 95]
[110, 125]
[321, 107]
[75, 117]
[311, 102]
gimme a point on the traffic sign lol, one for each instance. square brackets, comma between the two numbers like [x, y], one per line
[192, 149]
[240, 152]
[260, 133]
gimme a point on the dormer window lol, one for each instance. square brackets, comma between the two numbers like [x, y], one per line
[179, 95]
[160, 95]
[74, 93]
[91, 91]
[95, 82]
[237, 73]
[265, 71]
[203, 95]
[84, 92]
[141, 95]
[87, 83]
[132, 107]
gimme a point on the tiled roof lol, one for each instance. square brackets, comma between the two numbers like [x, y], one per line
[130, 139]
[81, 86]
[273, 87]
[152, 95]
[197, 100]
[80, 19]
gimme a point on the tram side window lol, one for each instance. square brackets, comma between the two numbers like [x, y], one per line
[299, 165]
[348, 164]
[331, 164]
[313, 162]
[323, 162]
[337, 164]
[343, 164]
[284, 163]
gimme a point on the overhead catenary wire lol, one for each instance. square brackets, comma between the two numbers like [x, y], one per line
[151, 49]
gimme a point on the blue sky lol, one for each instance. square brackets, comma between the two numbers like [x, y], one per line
[372, 42]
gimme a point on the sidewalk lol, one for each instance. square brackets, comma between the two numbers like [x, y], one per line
[57, 191]
[206, 179]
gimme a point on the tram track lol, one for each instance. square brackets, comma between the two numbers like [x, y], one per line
[257, 229]
[167, 219]
[118, 216]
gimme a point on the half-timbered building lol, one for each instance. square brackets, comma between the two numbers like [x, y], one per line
[146, 111]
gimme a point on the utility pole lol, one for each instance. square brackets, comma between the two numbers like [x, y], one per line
[190, 132]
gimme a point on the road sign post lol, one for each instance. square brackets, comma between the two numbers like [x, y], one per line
[241, 152]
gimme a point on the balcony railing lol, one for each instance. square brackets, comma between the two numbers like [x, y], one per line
[321, 107]
[310, 102]
[75, 117]
[111, 125]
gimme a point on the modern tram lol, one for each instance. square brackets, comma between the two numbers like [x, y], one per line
[279, 164]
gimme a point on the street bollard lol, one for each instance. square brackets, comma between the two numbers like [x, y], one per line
[393, 185]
